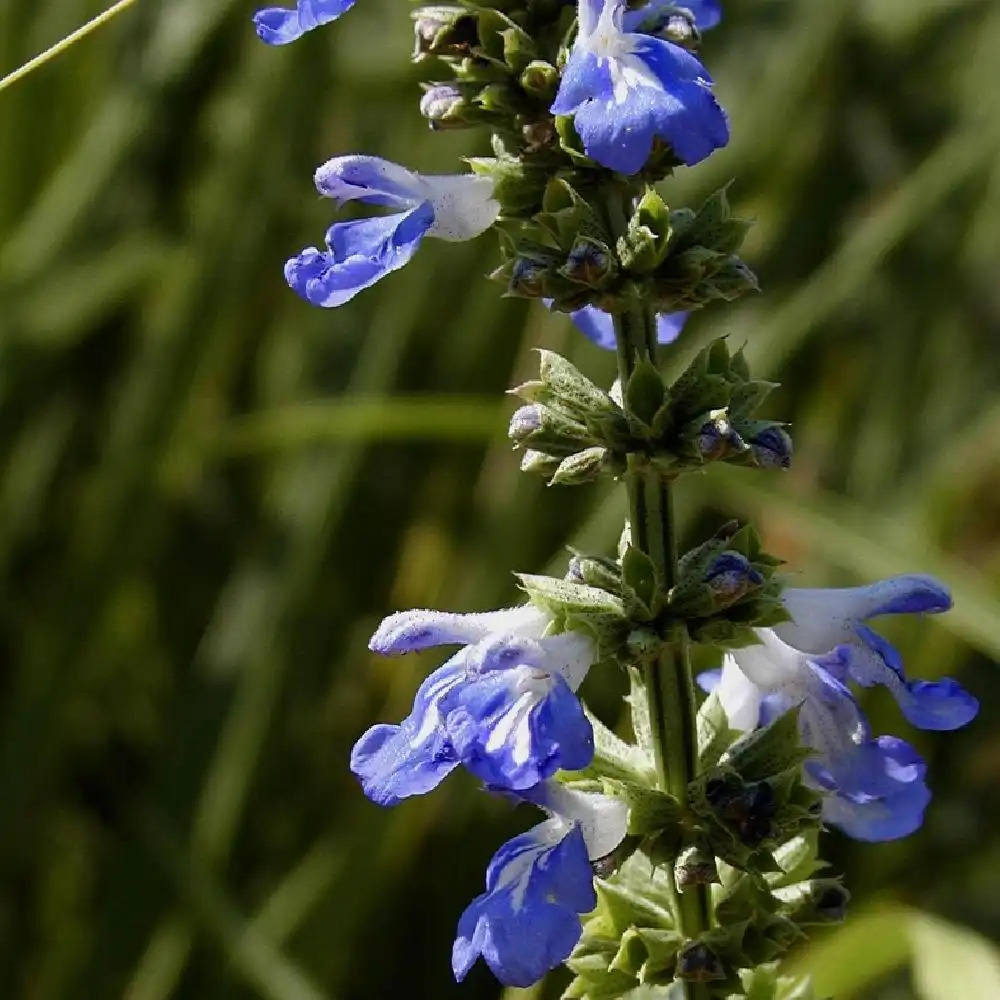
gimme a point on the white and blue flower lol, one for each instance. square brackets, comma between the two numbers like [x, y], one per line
[624, 89]
[360, 252]
[537, 885]
[822, 619]
[279, 26]
[873, 788]
[503, 706]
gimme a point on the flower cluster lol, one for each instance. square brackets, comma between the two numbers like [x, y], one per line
[630, 86]
[873, 787]
[504, 707]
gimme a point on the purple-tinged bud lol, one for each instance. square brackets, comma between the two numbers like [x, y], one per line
[772, 448]
[731, 575]
[589, 263]
[526, 278]
[697, 963]
[718, 438]
[444, 106]
[524, 422]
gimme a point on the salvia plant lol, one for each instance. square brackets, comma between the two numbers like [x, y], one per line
[681, 862]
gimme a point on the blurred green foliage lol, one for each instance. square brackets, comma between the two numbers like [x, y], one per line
[210, 493]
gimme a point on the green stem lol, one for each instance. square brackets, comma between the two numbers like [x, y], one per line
[668, 680]
[43, 57]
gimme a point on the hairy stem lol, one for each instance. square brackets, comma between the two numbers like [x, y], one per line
[668, 680]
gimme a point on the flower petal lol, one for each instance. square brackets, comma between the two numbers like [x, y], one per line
[599, 327]
[409, 631]
[395, 762]
[278, 26]
[515, 728]
[359, 254]
[527, 922]
[371, 180]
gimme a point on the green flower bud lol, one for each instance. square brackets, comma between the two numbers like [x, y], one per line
[541, 80]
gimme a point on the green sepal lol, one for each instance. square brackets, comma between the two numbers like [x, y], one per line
[517, 186]
[646, 242]
[661, 950]
[639, 575]
[797, 858]
[615, 758]
[714, 734]
[582, 467]
[639, 710]
[597, 571]
[631, 954]
[621, 906]
[571, 386]
[770, 751]
[540, 79]
[650, 991]
[815, 901]
[538, 462]
[650, 811]
[644, 393]
[561, 597]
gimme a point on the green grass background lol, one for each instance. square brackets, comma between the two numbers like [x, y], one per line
[210, 492]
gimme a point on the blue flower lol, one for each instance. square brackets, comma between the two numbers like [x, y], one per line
[360, 252]
[624, 89]
[822, 619]
[599, 327]
[527, 922]
[278, 26]
[503, 706]
[873, 789]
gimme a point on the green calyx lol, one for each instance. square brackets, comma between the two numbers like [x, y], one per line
[669, 260]
[708, 414]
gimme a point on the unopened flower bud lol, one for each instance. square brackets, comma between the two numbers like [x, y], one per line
[772, 448]
[536, 461]
[717, 438]
[527, 278]
[731, 575]
[588, 263]
[445, 106]
[540, 78]
[699, 964]
[524, 422]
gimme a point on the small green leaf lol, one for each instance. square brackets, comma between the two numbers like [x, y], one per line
[644, 393]
[639, 573]
[952, 962]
